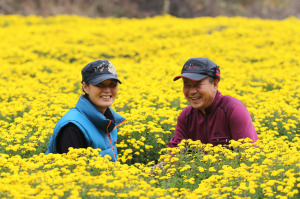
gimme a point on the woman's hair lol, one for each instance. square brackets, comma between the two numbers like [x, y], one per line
[86, 83]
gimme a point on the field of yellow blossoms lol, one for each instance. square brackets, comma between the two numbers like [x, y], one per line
[40, 64]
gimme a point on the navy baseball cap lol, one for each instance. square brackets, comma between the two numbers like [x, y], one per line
[99, 71]
[196, 69]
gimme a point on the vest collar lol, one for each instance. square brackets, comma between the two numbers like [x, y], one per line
[108, 114]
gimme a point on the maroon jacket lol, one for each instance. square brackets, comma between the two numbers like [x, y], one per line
[226, 118]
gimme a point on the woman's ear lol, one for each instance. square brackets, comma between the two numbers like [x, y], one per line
[85, 88]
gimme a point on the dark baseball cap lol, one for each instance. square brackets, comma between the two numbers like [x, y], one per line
[99, 71]
[197, 69]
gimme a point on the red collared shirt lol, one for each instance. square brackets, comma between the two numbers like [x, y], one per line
[226, 118]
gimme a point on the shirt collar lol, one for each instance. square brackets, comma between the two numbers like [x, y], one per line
[214, 104]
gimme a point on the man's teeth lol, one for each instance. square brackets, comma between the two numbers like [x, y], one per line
[195, 98]
[106, 97]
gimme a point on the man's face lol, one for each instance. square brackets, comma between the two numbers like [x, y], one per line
[102, 95]
[200, 94]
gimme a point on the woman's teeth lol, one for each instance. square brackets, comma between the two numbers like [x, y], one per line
[105, 97]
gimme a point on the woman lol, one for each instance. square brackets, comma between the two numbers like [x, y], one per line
[92, 123]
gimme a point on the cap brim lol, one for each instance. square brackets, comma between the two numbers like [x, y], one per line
[102, 78]
[191, 76]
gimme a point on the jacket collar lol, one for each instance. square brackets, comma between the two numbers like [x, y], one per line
[214, 104]
[96, 117]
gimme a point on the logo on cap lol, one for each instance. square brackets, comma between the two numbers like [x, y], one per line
[112, 69]
[190, 67]
[106, 66]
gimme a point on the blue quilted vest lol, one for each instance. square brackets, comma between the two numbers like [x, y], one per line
[99, 131]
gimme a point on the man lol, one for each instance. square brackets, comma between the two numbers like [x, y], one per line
[211, 117]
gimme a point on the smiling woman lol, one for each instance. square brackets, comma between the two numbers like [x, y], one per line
[103, 94]
[92, 123]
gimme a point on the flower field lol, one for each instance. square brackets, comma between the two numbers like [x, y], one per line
[40, 80]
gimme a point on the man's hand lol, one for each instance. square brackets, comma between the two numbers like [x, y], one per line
[161, 165]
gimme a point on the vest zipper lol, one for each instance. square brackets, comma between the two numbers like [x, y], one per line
[119, 124]
[108, 134]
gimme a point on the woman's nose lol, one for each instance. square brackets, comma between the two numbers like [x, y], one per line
[106, 88]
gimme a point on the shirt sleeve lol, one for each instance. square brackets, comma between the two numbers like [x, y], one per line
[180, 131]
[241, 125]
[70, 136]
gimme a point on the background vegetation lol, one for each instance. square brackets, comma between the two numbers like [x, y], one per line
[271, 9]
[40, 63]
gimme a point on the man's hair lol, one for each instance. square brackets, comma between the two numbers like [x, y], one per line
[211, 79]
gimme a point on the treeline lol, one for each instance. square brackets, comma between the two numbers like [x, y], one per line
[266, 9]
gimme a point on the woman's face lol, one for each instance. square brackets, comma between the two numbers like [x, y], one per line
[102, 95]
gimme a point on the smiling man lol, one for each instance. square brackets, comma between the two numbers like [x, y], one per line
[92, 123]
[210, 117]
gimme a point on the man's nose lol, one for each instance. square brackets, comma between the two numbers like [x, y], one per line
[193, 90]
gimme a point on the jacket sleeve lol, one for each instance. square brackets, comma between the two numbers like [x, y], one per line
[180, 131]
[241, 125]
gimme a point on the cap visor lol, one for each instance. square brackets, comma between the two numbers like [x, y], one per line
[191, 76]
[102, 78]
